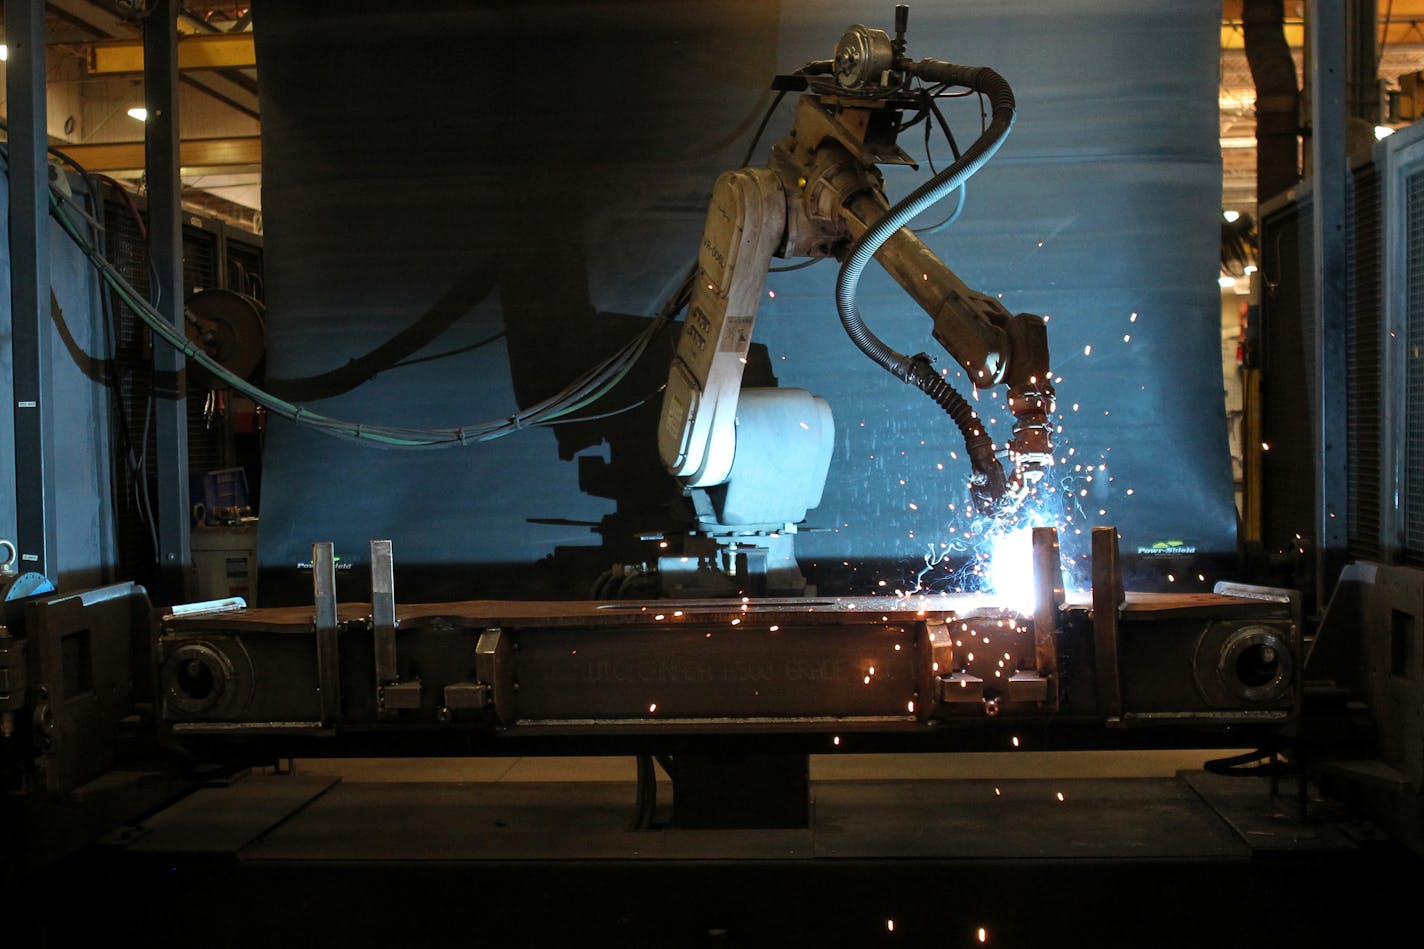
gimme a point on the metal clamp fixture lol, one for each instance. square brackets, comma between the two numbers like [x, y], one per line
[391, 693]
[328, 659]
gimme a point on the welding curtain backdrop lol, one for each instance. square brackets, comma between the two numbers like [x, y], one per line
[467, 203]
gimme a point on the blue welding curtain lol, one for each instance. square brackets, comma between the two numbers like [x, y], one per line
[467, 203]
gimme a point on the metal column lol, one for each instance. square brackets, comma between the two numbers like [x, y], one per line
[1330, 172]
[165, 251]
[30, 286]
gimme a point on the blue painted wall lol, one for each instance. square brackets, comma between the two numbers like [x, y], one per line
[466, 204]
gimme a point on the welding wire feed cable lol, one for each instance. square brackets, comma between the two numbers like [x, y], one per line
[1001, 97]
[590, 386]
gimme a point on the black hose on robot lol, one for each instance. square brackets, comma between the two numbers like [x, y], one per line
[917, 370]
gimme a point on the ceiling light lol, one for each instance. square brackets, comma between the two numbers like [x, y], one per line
[1226, 282]
[1383, 131]
[140, 113]
[4, 52]
[1231, 216]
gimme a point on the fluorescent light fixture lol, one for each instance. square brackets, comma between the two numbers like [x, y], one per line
[4, 52]
[1249, 269]
[1231, 216]
[140, 113]
[1227, 282]
[1383, 131]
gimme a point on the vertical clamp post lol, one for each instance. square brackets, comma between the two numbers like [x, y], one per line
[1108, 598]
[1048, 602]
[328, 659]
[391, 693]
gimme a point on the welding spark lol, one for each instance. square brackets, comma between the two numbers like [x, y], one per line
[982, 935]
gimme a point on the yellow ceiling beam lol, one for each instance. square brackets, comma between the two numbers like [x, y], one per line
[192, 153]
[1400, 32]
[200, 51]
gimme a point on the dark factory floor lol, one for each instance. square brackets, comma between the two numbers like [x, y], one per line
[1091, 848]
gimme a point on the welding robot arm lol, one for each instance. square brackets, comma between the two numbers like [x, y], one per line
[823, 196]
[992, 345]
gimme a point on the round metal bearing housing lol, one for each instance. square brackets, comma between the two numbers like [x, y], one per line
[1255, 664]
[863, 55]
[196, 678]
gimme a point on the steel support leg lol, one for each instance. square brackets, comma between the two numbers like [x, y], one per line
[30, 287]
[165, 251]
[1331, 176]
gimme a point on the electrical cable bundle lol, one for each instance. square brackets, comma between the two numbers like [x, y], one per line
[590, 386]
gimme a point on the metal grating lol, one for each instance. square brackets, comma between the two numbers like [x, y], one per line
[207, 441]
[1413, 494]
[200, 259]
[1363, 363]
[244, 262]
[134, 375]
[1287, 376]
[209, 446]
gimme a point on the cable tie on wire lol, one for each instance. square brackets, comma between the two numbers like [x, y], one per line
[460, 434]
[516, 421]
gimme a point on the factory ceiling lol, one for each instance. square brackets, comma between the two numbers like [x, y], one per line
[93, 85]
[1401, 52]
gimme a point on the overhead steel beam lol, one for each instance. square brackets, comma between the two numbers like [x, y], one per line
[165, 254]
[202, 51]
[231, 87]
[218, 86]
[92, 17]
[30, 287]
[1399, 33]
[242, 151]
